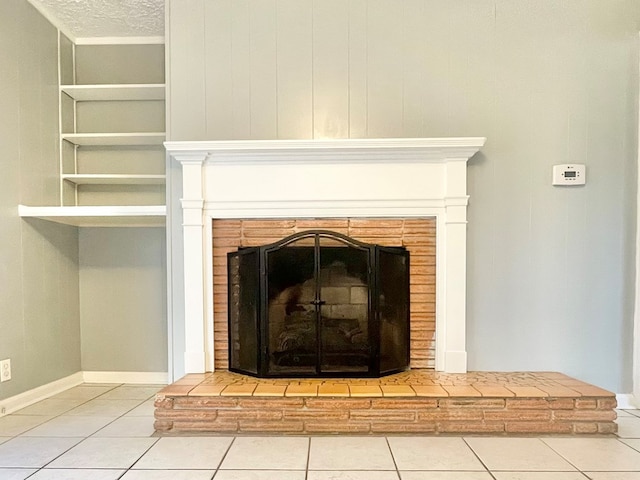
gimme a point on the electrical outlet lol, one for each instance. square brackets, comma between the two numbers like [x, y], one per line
[5, 370]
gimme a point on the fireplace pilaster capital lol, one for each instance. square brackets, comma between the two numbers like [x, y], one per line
[456, 210]
[188, 158]
[192, 212]
[192, 203]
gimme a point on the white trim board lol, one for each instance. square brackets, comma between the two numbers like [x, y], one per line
[626, 401]
[24, 399]
[35, 395]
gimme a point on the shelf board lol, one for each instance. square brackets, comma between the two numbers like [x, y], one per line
[114, 179]
[82, 93]
[115, 139]
[100, 216]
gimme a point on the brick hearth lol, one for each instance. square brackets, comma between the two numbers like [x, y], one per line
[416, 401]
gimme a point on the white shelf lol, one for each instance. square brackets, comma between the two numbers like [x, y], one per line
[100, 216]
[114, 179]
[115, 139]
[83, 93]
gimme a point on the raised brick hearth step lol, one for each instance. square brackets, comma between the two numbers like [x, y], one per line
[417, 401]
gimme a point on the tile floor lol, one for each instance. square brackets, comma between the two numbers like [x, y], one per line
[105, 432]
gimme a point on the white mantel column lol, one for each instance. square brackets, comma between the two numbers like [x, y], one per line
[194, 282]
[454, 331]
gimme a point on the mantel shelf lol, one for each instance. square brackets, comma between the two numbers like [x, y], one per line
[114, 179]
[114, 139]
[99, 216]
[82, 93]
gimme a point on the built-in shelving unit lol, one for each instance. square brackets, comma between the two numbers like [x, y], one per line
[112, 161]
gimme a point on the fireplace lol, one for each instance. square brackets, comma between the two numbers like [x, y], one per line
[314, 179]
[318, 303]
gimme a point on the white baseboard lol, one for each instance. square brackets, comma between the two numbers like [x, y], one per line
[149, 378]
[22, 400]
[15, 403]
[626, 401]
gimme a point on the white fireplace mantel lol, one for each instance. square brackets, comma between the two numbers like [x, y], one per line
[412, 177]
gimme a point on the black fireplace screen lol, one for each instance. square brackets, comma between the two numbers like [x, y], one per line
[318, 303]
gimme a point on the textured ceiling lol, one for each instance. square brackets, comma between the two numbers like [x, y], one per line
[106, 18]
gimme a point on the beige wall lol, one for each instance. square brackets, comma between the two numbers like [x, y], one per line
[122, 299]
[550, 270]
[39, 314]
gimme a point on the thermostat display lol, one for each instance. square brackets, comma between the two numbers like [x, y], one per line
[569, 174]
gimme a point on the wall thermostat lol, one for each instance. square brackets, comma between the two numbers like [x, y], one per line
[569, 174]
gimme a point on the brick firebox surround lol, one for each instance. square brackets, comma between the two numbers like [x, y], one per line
[418, 235]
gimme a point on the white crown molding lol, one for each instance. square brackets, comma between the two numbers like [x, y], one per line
[324, 144]
[327, 151]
